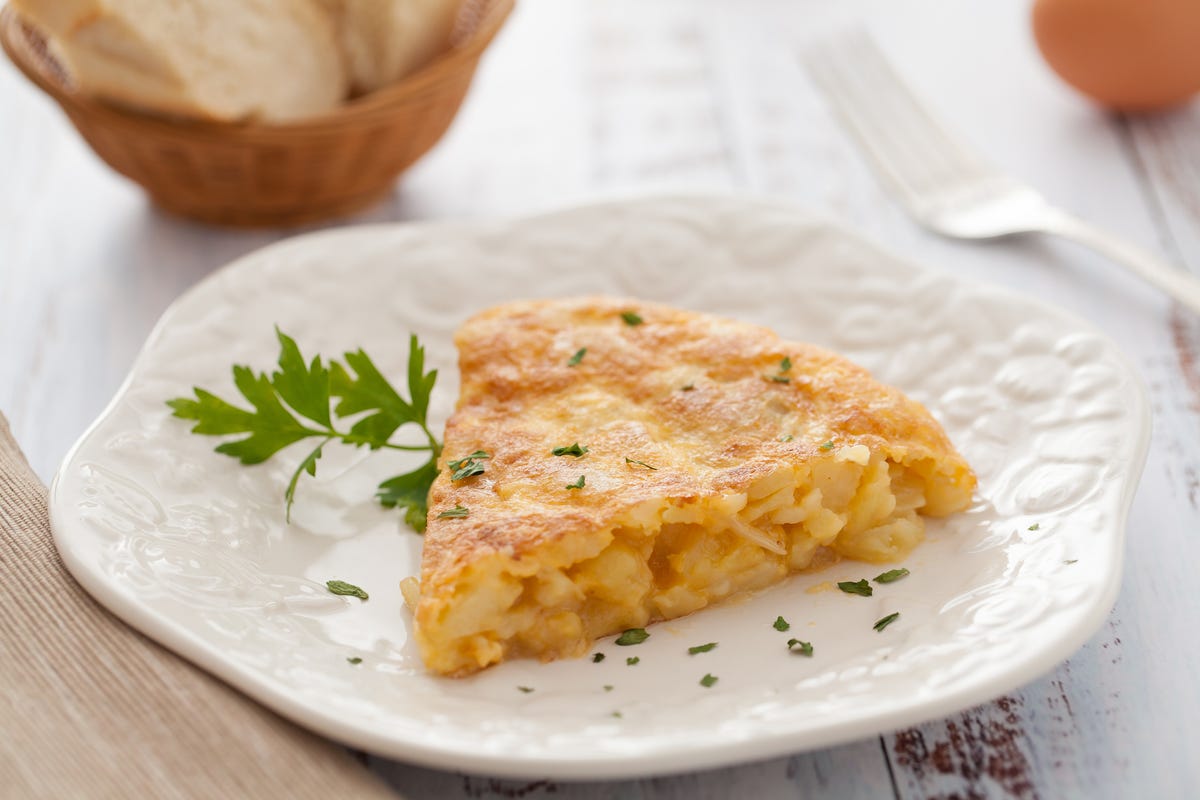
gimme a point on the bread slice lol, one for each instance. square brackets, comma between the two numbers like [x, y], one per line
[714, 458]
[210, 59]
[385, 40]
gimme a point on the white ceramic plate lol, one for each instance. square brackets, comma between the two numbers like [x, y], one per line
[192, 549]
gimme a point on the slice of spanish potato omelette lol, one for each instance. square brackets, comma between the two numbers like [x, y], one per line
[614, 462]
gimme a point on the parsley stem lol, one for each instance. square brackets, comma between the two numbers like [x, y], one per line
[424, 448]
[435, 447]
[309, 464]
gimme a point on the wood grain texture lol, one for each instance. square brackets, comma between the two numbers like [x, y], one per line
[854, 770]
[579, 100]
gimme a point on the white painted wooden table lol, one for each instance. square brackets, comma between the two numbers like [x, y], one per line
[584, 99]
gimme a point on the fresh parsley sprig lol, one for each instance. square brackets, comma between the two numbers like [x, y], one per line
[307, 399]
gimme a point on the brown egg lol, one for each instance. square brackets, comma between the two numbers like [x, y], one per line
[1129, 55]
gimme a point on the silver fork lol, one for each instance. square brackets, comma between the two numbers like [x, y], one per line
[945, 186]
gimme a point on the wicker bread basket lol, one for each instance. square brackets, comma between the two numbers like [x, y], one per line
[257, 174]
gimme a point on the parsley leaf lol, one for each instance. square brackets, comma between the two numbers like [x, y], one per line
[708, 680]
[409, 491]
[826, 447]
[785, 364]
[458, 512]
[632, 661]
[271, 426]
[787, 437]
[309, 465]
[629, 461]
[577, 484]
[860, 587]
[363, 388]
[576, 450]
[354, 660]
[608, 687]
[1035, 526]
[891, 576]
[806, 648]
[631, 318]
[420, 382]
[781, 624]
[597, 658]
[888, 620]
[525, 689]
[467, 466]
[213, 415]
[574, 360]
[304, 388]
[701, 648]
[296, 402]
[633, 636]
[348, 589]
[780, 379]
[687, 387]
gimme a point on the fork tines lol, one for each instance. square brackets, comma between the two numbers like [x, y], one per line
[909, 147]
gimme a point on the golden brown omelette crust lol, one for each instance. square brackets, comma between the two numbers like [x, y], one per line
[687, 393]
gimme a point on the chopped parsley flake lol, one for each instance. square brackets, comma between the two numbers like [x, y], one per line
[348, 589]
[629, 461]
[891, 576]
[577, 484]
[576, 450]
[787, 437]
[1071, 561]
[466, 467]
[631, 318]
[525, 689]
[781, 377]
[458, 512]
[597, 658]
[574, 360]
[617, 714]
[354, 660]
[888, 620]
[608, 687]
[708, 680]
[856, 587]
[631, 661]
[687, 387]
[632, 636]
[701, 648]
[805, 648]
[1035, 526]
[826, 447]
[781, 624]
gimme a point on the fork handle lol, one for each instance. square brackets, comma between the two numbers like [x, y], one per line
[1171, 279]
